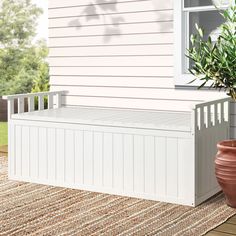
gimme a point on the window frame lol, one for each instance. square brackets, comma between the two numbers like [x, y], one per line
[181, 41]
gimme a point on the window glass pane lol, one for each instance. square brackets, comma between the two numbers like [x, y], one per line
[202, 3]
[197, 3]
[208, 20]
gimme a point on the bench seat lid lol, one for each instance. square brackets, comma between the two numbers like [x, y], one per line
[159, 120]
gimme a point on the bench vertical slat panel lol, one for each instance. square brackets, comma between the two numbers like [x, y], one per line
[20, 103]
[88, 157]
[172, 167]
[220, 112]
[60, 161]
[206, 147]
[79, 157]
[31, 103]
[209, 164]
[69, 156]
[11, 148]
[202, 118]
[98, 158]
[18, 140]
[51, 154]
[26, 152]
[186, 169]
[10, 108]
[118, 161]
[34, 152]
[43, 164]
[138, 164]
[11, 164]
[108, 160]
[196, 129]
[160, 156]
[149, 157]
[216, 110]
[209, 118]
[50, 101]
[128, 162]
[200, 162]
[226, 112]
[58, 101]
[205, 159]
[41, 102]
[210, 156]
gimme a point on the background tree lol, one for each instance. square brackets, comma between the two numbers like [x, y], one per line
[23, 65]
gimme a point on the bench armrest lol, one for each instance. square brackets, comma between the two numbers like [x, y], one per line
[54, 101]
[212, 113]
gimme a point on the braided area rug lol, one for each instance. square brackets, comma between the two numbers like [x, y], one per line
[33, 209]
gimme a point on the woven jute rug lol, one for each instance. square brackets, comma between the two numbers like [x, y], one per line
[32, 209]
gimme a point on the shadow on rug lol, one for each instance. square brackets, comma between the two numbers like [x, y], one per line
[43, 210]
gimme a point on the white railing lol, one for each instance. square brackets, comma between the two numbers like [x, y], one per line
[54, 101]
[213, 113]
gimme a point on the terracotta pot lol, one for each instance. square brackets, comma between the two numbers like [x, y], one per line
[225, 169]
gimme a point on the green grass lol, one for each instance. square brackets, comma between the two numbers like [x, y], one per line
[3, 133]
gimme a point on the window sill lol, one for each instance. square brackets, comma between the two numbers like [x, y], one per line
[183, 80]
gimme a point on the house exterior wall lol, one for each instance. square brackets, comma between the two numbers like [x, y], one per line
[110, 47]
[113, 55]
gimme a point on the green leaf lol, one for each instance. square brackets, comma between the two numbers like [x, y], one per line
[23, 64]
[216, 61]
[202, 85]
[200, 31]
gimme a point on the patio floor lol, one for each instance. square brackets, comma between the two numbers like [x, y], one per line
[3, 150]
[226, 229]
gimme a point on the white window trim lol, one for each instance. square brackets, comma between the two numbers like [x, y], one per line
[180, 78]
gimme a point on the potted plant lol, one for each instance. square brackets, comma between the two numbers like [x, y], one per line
[214, 64]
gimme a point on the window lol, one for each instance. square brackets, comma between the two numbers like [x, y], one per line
[187, 14]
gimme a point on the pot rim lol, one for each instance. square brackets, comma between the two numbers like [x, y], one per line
[225, 144]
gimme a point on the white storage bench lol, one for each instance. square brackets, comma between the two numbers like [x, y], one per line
[164, 155]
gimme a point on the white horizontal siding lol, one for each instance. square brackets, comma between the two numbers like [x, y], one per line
[117, 44]
[122, 18]
[136, 103]
[112, 81]
[109, 8]
[107, 53]
[105, 62]
[138, 28]
[75, 3]
[146, 93]
[113, 71]
[135, 39]
[140, 50]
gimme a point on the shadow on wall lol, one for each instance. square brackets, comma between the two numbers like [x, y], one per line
[164, 15]
[102, 13]
[101, 10]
